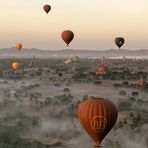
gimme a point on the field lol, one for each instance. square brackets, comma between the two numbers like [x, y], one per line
[39, 102]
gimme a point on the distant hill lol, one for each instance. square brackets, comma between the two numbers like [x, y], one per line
[14, 51]
[28, 53]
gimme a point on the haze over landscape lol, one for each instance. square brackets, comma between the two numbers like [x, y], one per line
[95, 23]
[64, 53]
[74, 74]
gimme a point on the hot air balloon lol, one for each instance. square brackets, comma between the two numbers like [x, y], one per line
[18, 46]
[119, 41]
[67, 36]
[97, 116]
[15, 65]
[47, 8]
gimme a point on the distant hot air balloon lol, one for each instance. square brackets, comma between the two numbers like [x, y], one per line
[18, 46]
[97, 116]
[119, 41]
[47, 8]
[15, 65]
[67, 36]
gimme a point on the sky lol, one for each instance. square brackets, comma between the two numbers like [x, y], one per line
[95, 23]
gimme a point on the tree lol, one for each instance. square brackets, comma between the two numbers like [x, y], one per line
[125, 83]
[124, 105]
[140, 101]
[135, 93]
[131, 114]
[66, 90]
[97, 82]
[122, 93]
[132, 99]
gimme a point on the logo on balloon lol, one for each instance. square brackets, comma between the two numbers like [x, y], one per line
[98, 123]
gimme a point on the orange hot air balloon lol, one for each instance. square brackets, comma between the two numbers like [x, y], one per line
[47, 8]
[67, 36]
[18, 46]
[15, 65]
[97, 116]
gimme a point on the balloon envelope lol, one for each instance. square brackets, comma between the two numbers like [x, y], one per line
[119, 41]
[19, 46]
[15, 65]
[67, 36]
[47, 8]
[97, 116]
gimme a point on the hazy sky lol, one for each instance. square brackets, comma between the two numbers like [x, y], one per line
[95, 23]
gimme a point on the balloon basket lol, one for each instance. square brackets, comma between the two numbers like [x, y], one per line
[97, 146]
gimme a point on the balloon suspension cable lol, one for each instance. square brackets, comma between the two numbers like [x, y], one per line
[118, 52]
